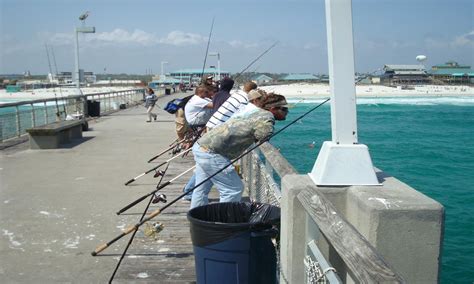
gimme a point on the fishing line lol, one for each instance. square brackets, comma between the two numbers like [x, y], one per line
[158, 211]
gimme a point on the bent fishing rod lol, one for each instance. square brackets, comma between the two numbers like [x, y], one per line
[255, 60]
[158, 211]
[134, 233]
[158, 173]
[207, 49]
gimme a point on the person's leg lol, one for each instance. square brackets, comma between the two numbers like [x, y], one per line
[228, 182]
[191, 183]
[201, 192]
[148, 111]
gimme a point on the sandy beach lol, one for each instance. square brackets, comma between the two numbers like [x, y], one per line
[307, 91]
[297, 90]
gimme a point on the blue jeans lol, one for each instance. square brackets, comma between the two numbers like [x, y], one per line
[191, 183]
[228, 183]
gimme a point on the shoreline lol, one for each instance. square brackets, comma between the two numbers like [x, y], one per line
[308, 91]
[291, 91]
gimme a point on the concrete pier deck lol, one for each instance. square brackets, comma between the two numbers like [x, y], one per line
[58, 205]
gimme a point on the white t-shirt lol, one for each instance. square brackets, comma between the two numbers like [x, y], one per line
[238, 99]
[196, 112]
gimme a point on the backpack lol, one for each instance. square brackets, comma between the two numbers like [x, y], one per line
[173, 105]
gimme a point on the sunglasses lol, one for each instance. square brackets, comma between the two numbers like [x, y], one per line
[283, 108]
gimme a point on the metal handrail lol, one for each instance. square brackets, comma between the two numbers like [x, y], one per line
[14, 123]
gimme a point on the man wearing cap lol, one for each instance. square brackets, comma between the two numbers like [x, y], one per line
[219, 146]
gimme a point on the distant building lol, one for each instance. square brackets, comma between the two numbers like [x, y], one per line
[404, 75]
[262, 79]
[452, 73]
[65, 78]
[194, 75]
[299, 77]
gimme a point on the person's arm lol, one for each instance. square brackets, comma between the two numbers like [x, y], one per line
[263, 128]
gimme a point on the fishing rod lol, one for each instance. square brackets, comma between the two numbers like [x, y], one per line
[255, 60]
[207, 49]
[158, 188]
[158, 211]
[171, 146]
[158, 173]
[134, 233]
[54, 89]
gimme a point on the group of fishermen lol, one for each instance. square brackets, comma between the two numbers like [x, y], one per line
[228, 122]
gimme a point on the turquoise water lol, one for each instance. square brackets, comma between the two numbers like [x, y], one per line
[427, 143]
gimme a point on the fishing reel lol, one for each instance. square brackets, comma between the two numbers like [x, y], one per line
[158, 173]
[159, 198]
[153, 229]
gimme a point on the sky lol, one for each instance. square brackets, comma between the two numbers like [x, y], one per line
[135, 36]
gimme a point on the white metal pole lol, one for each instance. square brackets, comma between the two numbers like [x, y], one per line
[76, 71]
[342, 161]
[218, 66]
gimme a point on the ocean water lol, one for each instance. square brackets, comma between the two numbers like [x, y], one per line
[427, 143]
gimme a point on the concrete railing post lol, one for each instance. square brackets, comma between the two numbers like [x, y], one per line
[293, 231]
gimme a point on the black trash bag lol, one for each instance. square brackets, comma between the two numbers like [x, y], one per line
[218, 222]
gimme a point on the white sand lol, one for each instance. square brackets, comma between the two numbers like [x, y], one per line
[306, 90]
[297, 90]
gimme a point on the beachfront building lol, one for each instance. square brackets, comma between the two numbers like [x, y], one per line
[299, 77]
[452, 73]
[193, 76]
[262, 79]
[395, 75]
[65, 78]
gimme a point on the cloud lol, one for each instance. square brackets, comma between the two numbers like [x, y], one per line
[180, 38]
[241, 44]
[464, 40]
[124, 37]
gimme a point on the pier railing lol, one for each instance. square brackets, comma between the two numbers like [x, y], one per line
[318, 244]
[16, 117]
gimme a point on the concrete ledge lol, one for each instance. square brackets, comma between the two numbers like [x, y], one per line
[51, 136]
[405, 226]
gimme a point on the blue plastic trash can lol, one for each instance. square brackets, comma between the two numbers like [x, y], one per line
[233, 242]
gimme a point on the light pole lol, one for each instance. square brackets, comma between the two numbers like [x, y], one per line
[218, 64]
[78, 30]
[162, 70]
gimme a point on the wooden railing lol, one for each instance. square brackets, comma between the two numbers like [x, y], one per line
[317, 220]
[16, 117]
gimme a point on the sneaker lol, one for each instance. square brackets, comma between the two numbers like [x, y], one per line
[155, 117]
[148, 121]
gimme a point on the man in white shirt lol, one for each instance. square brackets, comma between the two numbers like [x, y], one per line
[238, 99]
[198, 110]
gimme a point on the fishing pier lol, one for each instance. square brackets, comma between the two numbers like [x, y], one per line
[59, 204]
[345, 222]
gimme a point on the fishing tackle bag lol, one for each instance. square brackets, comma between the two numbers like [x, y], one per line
[173, 105]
